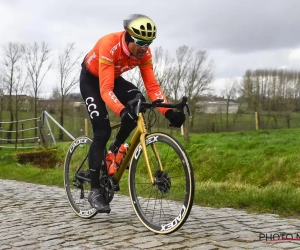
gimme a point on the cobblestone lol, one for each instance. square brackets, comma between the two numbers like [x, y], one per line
[39, 217]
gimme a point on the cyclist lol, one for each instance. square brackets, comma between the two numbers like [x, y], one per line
[101, 85]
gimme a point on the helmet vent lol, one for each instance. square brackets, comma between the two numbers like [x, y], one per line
[143, 30]
[136, 31]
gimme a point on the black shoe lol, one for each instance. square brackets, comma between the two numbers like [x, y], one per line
[98, 202]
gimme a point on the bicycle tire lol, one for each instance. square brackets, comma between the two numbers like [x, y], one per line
[162, 207]
[77, 189]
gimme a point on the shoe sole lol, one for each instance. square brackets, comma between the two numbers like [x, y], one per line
[103, 211]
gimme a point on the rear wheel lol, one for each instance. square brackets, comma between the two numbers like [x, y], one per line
[162, 206]
[77, 179]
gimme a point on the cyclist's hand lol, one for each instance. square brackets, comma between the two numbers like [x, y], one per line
[127, 116]
[176, 118]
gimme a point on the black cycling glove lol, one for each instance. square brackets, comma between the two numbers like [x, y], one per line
[176, 118]
[127, 116]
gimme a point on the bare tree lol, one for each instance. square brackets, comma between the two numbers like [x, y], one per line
[1, 101]
[1, 95]
[199, 76]
[273, 91]
[230, 91]
[20, 89]
[55, 95]
[13, 54]
[179, 70]
[163, 69]
[69, 68]
[181, 66]
[36, 56]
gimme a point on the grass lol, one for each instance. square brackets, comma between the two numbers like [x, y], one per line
[12, 170]
[258, 171]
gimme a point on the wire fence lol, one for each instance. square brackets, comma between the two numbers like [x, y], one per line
[250, 121]
[19, 134]
[26, 134]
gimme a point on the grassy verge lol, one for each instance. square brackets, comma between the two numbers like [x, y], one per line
[257, 171]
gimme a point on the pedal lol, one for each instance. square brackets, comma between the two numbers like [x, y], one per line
[76, 184]
[116, 187]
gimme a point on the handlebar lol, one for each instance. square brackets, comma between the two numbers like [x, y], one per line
[137, 105]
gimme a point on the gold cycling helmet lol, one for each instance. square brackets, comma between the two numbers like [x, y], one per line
[140, 27]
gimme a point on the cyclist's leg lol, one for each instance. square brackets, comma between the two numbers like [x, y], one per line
[125, 91]
[89, 88]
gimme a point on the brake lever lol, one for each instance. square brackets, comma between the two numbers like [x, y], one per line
[158, 101]
[137, 107]
[185, 104]
[188, 109]
[135, 104]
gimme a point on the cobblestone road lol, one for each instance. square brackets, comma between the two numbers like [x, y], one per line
[39, 217]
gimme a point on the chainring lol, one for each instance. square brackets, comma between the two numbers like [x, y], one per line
[107, 185]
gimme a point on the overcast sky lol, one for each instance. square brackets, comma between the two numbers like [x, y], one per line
[237, 34]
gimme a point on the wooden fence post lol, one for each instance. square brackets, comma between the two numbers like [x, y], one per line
[22, 134]
[256, 121]
[86, 127]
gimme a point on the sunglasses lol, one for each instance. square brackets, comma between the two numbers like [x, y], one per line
[141, 43]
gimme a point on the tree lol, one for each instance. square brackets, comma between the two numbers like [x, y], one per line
[273, 91]
[191, 77]
[182, 62]
[1, 95]
[198, 77]
[163, 69]
[55, 94]
[13, 54]
[69, 68]
[1, 101]
[230, 91]
[36, 56]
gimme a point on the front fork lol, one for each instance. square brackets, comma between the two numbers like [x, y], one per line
[153, 147]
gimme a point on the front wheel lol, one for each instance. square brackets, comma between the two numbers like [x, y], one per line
[162, 206]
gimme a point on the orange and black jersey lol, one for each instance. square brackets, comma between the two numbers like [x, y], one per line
[109, 58]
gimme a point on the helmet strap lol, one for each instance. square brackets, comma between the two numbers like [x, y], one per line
[128, 38]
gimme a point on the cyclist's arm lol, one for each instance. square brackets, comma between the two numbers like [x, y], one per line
[106, 81]
[152, 87]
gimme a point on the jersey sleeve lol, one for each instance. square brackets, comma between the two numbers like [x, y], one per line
[106, 79]
[152, 87]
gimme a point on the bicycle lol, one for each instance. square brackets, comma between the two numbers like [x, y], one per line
[160, 179]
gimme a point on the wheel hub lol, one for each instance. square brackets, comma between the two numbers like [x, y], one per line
[162, 181]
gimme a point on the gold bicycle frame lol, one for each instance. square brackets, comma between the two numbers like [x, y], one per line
[139, 136]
